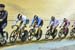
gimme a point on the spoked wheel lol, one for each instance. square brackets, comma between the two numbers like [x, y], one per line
[13, 37]
[30, 35]
[54, 34]
[72, 33]
[61, 32]
[38, 34]
[47, 35]
[24, 35]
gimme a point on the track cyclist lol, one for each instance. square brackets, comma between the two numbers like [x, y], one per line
[23, 19]
[53, 24]
[38, 22]
[65, 24]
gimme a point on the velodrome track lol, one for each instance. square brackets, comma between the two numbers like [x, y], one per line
[43, 8]
[44, 45]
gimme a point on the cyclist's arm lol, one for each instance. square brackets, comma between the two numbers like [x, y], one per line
[51, 22]
[32, 22]
[22, 24]
[5, 15]
[16, 22]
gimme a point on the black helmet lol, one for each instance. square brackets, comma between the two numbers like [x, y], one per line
[2, 5]
[19, 16]
[35, 17]
[52, 18]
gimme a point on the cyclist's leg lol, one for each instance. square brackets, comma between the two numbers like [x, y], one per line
[27, 22]
[3, 27]
[39, 28]
[66, 29]
[54, 29]
[63, 29]
[1, 31]
[51, 28]
[20, 23]
[25, 25]
[21, 26]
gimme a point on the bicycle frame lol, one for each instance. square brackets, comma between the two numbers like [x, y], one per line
[17, 30]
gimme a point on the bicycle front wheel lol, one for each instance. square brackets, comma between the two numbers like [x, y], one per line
[13, 37]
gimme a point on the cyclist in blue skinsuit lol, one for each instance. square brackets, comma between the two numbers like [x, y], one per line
[38, 21]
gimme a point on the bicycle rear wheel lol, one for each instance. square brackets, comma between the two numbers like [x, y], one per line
[38, 34]
[72, 33]
[24, 35]
[47, 35]
[54, 33]
[60, 33]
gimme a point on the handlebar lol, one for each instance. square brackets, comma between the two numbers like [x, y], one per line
[16, 26]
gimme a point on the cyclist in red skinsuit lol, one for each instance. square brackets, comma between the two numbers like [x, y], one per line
[65, 24]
